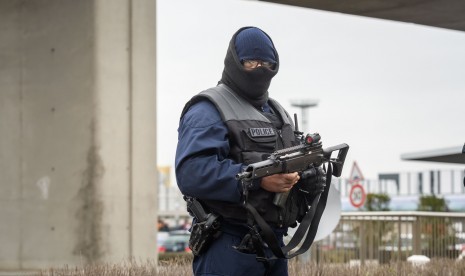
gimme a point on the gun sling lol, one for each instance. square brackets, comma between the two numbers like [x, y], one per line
[309, 222]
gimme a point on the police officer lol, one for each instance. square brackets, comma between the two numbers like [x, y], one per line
[223, 129]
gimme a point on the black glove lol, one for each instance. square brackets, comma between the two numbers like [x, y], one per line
[313, 181]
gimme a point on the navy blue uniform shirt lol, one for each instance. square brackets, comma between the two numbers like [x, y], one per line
[202, 167]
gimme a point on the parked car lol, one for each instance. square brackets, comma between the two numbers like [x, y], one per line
[177, 241]
[162, 236]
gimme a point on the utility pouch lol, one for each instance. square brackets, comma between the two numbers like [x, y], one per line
[205, 229]
[289, 212]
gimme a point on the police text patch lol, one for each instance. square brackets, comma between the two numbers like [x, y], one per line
[261, 131]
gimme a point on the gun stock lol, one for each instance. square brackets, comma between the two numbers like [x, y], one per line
[338, 162]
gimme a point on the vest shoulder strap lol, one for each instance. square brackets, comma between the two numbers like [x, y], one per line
[233, 107]
[282, 112]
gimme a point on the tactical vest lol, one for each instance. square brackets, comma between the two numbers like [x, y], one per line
[252, 137]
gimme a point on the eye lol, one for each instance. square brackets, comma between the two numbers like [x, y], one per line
[266, 63]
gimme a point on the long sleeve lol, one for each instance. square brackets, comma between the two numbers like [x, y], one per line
[202, 167]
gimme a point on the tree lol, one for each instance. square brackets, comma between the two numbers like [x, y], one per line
[377, 202]
[431, 203]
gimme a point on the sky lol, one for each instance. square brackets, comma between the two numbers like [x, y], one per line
[385, 88]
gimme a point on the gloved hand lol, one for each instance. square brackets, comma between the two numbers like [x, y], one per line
[313, 181]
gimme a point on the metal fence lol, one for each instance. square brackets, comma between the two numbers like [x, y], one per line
[383, 237]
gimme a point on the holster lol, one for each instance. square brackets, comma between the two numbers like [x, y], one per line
[203, 234]
[206, 227]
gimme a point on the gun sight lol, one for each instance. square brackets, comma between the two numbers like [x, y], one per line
[311, 139]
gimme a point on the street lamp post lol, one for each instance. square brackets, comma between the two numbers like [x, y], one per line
[304, 105]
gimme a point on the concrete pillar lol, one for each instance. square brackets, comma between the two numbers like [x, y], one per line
[77, 128]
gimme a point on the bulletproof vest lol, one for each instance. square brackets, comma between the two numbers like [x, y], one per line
[253, 135]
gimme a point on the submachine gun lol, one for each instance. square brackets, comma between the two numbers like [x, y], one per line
[296, 159]
[310, 153]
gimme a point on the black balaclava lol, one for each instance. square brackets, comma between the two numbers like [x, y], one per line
[251, 85]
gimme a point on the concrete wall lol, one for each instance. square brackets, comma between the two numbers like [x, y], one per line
[77, 132]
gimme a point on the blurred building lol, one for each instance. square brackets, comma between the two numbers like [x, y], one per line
[171, 205]
[405, 189]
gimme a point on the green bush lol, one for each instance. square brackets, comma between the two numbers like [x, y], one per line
[377, 202]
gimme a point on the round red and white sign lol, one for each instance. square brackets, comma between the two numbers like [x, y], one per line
[357, 195]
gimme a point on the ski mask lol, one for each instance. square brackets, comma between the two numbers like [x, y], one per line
[250, 43]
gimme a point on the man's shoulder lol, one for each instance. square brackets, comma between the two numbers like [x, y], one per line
[201, 107]
[201, 114]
